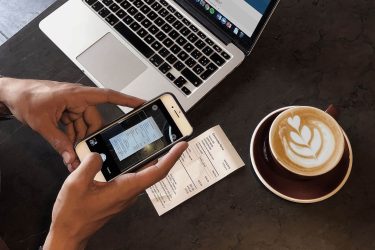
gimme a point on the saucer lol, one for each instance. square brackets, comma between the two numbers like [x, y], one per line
[296, 190]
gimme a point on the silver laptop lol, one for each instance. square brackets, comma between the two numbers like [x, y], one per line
[147, 47]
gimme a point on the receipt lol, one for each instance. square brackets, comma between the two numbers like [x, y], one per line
[209, 158]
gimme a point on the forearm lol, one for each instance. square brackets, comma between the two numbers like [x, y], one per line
[57, 241]
[4, 82]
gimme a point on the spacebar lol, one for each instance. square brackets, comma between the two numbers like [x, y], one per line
[134, 40]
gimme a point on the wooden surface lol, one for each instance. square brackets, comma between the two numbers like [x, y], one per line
[312, 52]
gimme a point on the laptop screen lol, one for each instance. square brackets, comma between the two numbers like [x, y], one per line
[240, 19]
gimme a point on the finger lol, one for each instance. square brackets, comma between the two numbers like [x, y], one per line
[93, 119]
[70, 132]
[80, 129]
[95, 96]
[137, 182]
[87, 170]
[59, 141]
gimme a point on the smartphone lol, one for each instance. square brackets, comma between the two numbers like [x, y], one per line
[137, 138]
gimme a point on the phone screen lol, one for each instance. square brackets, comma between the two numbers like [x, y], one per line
[139, 136]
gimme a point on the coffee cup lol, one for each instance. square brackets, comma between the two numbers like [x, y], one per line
[306, 142]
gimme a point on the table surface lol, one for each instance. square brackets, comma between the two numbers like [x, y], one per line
[311, 53]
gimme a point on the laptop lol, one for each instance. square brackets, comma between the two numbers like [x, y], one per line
[146, 47]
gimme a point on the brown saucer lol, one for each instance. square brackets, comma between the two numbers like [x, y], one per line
[293, 189]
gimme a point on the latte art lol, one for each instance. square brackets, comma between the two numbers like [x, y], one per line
[306, 141]
[309, 145]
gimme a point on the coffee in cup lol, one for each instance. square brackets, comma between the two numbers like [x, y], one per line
[306, 141]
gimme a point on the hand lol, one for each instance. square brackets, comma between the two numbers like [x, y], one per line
[43, 104]
[84, 205]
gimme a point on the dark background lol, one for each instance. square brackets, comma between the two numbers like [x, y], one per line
[311, 53]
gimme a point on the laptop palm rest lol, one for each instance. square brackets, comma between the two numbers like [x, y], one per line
[111, 63]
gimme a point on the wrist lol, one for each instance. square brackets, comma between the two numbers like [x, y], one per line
[4, 85]
[58, 239]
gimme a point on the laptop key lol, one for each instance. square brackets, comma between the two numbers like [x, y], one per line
[156, 45]
[182, 55]
[118, 1]
[133, 39]
[164, 52]
[217, 59]
[196, 54]
[111, 19]
[191, 77]
[185, 31]
[190, 62]
[163, 12]
[159, 21]
[152, 15]
[128, 20]
[186, 22]
[175, 49]
[149, 39]
[171, 9]
[161, 36]
[108, 2]
[198, 69]
[166, 27]
[138, 3]
[171, 59]
[97, 6]
[217, 48]
[204, 61]
[193, 28]
[125, 4]
[200, 44]
[174, 34]
[181, 41]
[180, 81]
[121, 13]
[153, 29]
[145, 9]
[209, 71]
[192, 38]
[178, 15]
[186, 90]
[164, 3]
[104, 12]
[149, 1]
[114, 7]
[165, 68]
[146, 23]
[225, 55]
[207, 51]
[142, 32]
[156, 6]
[168, 42]
[139, 17]
[201, 35]
[177, 25]
[171, 18]
[90, 2]
[179, 66]
[135, 26]
[156, 60]
[132, 11]
[209, 41]
[188, 47]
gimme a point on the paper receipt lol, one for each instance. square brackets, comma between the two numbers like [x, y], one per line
[209, 158]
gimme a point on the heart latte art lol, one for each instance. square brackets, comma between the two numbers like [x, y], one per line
[306, 141]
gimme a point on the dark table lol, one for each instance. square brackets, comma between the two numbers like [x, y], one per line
[313, 52]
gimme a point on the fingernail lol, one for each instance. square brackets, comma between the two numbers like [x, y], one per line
[66, 157]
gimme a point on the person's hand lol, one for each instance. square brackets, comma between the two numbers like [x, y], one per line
[43, 104]
[84, 205]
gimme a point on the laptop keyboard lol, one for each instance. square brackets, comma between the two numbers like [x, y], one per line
[180, 51]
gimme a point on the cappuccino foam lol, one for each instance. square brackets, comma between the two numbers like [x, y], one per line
[306, 141]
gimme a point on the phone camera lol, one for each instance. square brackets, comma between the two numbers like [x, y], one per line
[154, 107]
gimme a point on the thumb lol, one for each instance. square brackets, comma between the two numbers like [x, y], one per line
[60, 142]
[89, 167]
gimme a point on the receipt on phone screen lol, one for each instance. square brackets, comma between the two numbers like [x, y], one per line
[209, 158]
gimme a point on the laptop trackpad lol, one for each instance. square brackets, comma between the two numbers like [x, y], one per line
[111, 63]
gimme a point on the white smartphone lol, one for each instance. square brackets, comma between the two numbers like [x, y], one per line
[137, 138]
